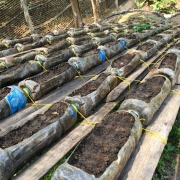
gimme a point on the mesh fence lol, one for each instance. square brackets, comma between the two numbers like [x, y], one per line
[45, 15]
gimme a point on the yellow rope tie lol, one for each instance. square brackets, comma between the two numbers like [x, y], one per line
[42, 66]
[43, 105]
[146, 64]
[124, 81]
[93, 75]
[159, 52]
[27, 93]
[168, 45]
[88, 122]
[80, 75]
[175, 39]
[142, 119]
[5, 45]
[175, 92]
[151, 133]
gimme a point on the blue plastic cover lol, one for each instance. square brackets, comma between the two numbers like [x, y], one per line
[102, 55]
[122, 43]
[16, 99]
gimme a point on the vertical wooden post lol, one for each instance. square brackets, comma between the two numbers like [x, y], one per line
[76, 13]
[95, 6]
[117, 4]
[27, 16]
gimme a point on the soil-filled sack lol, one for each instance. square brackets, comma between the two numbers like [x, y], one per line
[124, 64]
[130, 40]
[146, 98]
[173, 31]
[21, 47]
[79, 50]
[160, 40]
[113, 50]
[12, 99]
[48, 62]
[92, 92]
[9, 61]
[84, 64]
[102, 41]
[170, 66]
[17, 73]
[57, 33]
[149, 32]
[146, 49]
[168, 36]
[53, 39]
[77, 41]
[11, 43]
[41, 84]
[103, 153]
[8, 52]
[30, 136]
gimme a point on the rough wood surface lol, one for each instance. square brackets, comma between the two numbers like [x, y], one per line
[27, 16]
[76, 13]
[144, 159]
[95, 6]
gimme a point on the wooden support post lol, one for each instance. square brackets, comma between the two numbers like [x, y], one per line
[95, 6]
[76, 13]
[27, 16]
[117, 4]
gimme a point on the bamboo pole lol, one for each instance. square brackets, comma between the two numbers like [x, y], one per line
[76, 13]
[95, 6]
[27, 16]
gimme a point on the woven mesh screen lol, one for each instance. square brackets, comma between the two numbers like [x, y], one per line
[12, 21]
[45, 15]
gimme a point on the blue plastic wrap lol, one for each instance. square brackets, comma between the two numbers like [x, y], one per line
[16, 99]
[102, 55]
[122, 43]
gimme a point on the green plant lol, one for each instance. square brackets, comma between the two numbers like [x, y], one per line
[139, 4]
[163, 5]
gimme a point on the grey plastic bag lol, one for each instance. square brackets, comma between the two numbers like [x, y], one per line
[90, 101]
[13, 158]
[69, 172]
[146, 110]
[37, 90]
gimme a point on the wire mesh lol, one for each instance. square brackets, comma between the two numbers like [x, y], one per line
[12, 21]
[45, 15]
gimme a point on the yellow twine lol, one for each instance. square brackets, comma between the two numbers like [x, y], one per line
[43, 105]
[93, 75]
[142, 119]
[146, 64]
[159, 52]
[175, 92]
[124, 81]
[80, 75]
[42, 66]
[5, 44]
[88, 122]
[168, 45]
[156, 135]
[27, 93]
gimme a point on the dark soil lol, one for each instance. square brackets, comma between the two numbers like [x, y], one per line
[84, 42]
[130, 36]
[58, 52]
[156, 38]
[167, 32]
[89, 53]
[53, 71]
[122, 60]
[51, 46]
[177, 46]
[100, 148]
[148, 90]
[39, 122]
[3, 92]
[169, 61]
[145, 46]
[112, 43]
[90, 87]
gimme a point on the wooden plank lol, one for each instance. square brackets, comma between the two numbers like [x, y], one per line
[95, 5]
[146, 155]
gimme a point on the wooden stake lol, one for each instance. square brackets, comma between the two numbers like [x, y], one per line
[27, 16]
[76, 13]
[95, 6]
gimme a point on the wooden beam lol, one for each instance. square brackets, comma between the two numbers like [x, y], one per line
[95, 6]
[27, 16]
[147, 153]
[76, 13]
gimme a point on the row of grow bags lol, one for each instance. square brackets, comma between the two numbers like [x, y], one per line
[103, 153]
[16, 156]
[43, 83]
